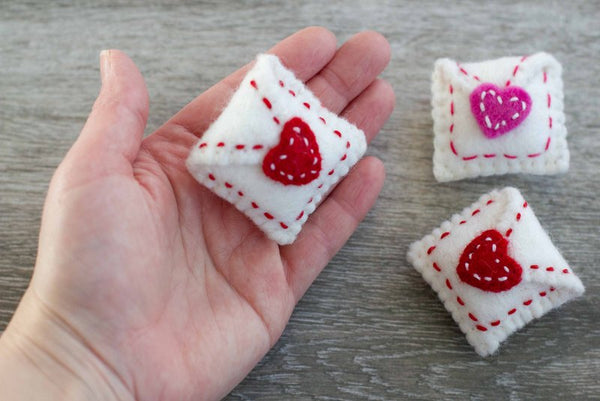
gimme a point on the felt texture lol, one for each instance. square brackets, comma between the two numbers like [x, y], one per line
[466, 144]
[275, 151]
[499, 110]
[296, 160]
[521, 274]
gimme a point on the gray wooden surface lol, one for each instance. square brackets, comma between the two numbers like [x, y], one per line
[369, 328]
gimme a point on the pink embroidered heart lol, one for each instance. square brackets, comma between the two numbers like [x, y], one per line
[296, 159]
[485, 264]
[499, 110]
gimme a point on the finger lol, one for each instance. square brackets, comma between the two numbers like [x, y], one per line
[331, 225]
[372, 108]
[355, 65]
[305, 53]
[111, 137]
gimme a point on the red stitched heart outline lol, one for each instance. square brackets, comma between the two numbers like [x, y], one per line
[295, 160]
[485, 263]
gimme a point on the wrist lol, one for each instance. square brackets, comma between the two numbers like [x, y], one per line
[41, 358]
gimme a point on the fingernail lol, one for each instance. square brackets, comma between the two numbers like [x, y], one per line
[104, 64]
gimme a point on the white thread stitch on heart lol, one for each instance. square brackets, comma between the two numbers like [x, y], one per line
[537, 145]
[488, 316]
[229, 158]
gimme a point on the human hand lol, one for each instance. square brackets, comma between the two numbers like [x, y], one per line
[147, 285]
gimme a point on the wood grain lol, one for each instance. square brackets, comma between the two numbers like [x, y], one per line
[369, 328]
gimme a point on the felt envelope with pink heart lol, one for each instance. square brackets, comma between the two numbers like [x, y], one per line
[494, 268]
[275, 151]
[498, 116]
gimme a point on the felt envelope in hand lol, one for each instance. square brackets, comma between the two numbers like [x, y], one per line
[275, 151]
[494, 268]
[498, 116]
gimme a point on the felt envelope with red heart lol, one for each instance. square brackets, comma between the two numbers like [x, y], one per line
[498, 116]
[494, 268]
[275, 151]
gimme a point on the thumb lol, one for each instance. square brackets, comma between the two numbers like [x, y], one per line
[111, 137]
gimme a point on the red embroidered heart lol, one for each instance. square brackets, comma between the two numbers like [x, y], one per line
[296, 159]
[498, 110]
[485, 264]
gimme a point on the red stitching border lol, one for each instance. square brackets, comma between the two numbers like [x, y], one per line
[492, 155]
[269, 215]
[480, 326]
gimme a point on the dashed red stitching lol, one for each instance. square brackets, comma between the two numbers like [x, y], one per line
[300, 215]
[449, 284]
[239, 146]
[453, 148]
[306, 105]
[267, 103]
[492, 155]
[550, 269]
[276, 120]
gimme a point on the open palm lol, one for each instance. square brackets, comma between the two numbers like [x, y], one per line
[170, 289]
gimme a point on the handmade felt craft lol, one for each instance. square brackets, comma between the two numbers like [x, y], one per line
[497, 117]
[275, 151]
[494, 268]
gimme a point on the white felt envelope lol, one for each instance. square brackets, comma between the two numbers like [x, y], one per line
[275, 151]
[516, 125]
[494, 268]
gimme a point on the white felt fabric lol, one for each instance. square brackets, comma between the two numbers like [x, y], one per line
[228, 158]
[538, 145]
[488, 318]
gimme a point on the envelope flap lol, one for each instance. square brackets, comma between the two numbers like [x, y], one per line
[248, 126]
[502, 72]
[530, 245]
